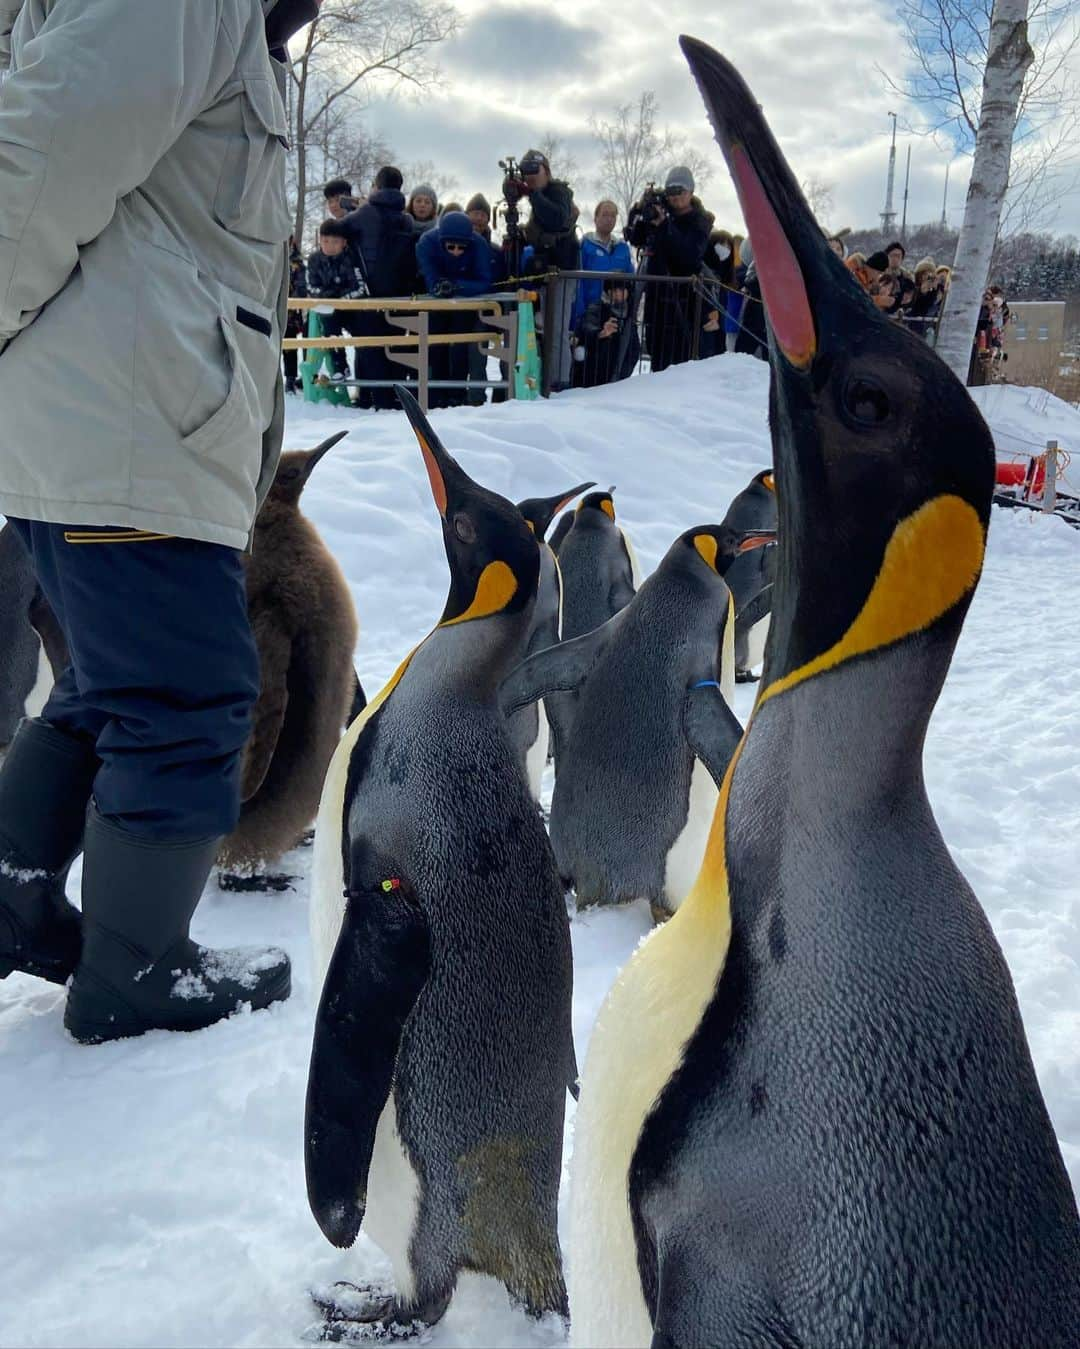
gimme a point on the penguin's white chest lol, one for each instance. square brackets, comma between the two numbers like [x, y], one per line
[43, 685]
[755, 642]
[684, 857]
[536, 755]
[393, 1200]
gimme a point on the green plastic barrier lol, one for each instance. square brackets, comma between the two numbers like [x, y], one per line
[318, 390]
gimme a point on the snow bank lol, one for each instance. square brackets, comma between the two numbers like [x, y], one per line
[153, 1190]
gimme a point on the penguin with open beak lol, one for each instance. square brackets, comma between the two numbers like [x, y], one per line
[809, 1114]
[443, 1050]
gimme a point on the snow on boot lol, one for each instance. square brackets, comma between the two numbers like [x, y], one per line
[45, 784]
[140, 970]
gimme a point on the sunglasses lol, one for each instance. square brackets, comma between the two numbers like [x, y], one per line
[456, 248]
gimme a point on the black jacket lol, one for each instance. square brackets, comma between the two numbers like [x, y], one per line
[678, 243]
[381, 236]
[550, 228]
[607, 359]
[334, 278]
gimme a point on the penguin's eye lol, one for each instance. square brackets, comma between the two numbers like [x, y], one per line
[464, 529]
[866, 402]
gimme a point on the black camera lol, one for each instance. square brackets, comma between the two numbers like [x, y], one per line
[530, 166]
[348, 203]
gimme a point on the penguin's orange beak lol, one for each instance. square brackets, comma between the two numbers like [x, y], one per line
[756, 538]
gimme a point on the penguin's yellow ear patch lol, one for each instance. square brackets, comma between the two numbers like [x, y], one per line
[608, 507]
[494, 591]
[769, 481]
[707, 547]
[931, 562]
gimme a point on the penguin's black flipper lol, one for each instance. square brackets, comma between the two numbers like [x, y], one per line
[711, 728]
[754, 610]
[380, 964]
[556, 669]
[565, 525]
[359, 701]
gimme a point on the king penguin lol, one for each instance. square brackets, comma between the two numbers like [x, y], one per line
[633, 801]
[442, 1050]
[750, 577]
[809, 1114]
[599, 577]
[304, 623]
[529, 729]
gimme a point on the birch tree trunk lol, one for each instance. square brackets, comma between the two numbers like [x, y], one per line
[1008, 58]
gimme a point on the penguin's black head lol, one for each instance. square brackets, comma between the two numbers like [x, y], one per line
[601, 502]
[884, 466]
[493, 554]
[540, 511]
[295, 468]
[755, 506]
[717, 546]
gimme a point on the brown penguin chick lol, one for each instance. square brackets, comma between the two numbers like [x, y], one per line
[304, 622]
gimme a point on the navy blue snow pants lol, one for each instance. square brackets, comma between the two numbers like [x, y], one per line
[164, 671]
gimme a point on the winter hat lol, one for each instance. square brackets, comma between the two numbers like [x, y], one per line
[478, 202]
[536, 157]
[455, 225]
[679, 179]
[423, 190]
[878, 262]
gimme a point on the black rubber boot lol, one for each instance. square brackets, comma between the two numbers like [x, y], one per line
[45, 784]
[139, 969]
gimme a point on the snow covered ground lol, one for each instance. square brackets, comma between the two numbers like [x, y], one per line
[152, 1191]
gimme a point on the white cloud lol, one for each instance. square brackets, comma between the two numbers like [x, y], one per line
[515, 73]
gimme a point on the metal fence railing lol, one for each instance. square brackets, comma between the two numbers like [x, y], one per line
[426, 329]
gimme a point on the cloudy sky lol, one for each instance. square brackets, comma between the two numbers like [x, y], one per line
[516, 72]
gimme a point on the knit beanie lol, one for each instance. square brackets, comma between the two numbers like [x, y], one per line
[478, 202]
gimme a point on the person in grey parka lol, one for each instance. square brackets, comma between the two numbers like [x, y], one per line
[143, 257]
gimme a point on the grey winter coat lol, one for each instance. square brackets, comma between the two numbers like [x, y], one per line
[143, 256]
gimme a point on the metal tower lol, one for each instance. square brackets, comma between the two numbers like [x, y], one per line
[888, 215]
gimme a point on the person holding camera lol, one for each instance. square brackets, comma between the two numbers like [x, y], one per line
[672, 228]
[607, 337]
[551, 232]
[339, 198]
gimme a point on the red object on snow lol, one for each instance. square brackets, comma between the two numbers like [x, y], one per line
[1015, 475]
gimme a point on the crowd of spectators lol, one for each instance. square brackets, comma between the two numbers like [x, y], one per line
[680, 288]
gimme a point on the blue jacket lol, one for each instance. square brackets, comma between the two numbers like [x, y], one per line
[470, 273]
[614, 256]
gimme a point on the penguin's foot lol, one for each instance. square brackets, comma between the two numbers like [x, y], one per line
[306, 839]
[259, 882]
[660, 914]
[746, 677]
[355, 1314]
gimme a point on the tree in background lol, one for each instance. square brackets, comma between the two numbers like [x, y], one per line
[427, 171]
[819, 197]
[335, 60]
[1008, 59]
[634, 151]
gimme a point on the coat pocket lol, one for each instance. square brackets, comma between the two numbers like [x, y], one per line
[250, 198]
[252, 354]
